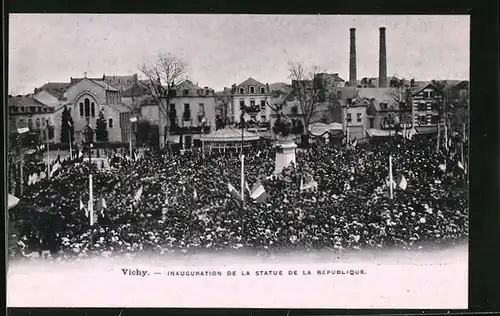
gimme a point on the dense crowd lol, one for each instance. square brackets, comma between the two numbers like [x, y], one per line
[186, 205]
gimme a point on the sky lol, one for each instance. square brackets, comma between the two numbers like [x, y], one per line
[221, 50]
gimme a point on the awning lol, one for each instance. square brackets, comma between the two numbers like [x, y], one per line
[318, 129]
[374, 132]
[426, 129]
[229, 135]
[13, 201]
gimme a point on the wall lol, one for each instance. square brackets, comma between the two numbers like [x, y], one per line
[209, 106]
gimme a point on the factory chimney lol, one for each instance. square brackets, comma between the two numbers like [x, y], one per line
[353, 81]
[382, 64]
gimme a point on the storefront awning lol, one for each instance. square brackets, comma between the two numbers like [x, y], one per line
[375, 132]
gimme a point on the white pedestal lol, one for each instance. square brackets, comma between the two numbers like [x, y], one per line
[285, 158]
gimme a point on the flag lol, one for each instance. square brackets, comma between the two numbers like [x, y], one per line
[411, 133]
[247, 187]
[354, 143]
[203, 121]
[234, 193]
[461, 166]
[195, 195]
[133, 119]
[442, 167]
[403, 183]
[82, 207]
[55, 167]
[387, 182]
[137, 196]
[103, 206]
[258, 193]
[311, 184]
[80, 153]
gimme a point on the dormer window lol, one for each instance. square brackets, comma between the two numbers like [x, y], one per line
[242, 90]
[262, 90]
[252, 89]
[185, 92]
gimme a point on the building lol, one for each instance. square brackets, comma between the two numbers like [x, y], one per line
[188, 108]
[85, 99]
[27, 111]
[426, 102]
[250, 93]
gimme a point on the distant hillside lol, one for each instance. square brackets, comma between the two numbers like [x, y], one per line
[280, 86]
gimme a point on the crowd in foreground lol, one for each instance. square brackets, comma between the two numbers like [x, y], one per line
[186, 207]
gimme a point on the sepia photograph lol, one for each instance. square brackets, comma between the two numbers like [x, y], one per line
[234, 157]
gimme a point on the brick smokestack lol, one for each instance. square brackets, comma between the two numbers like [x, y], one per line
[382, 63]
[352, 59]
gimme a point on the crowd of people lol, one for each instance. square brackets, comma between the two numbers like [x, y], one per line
[186, 207]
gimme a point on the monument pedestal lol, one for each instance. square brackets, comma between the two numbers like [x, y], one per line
[285, 156]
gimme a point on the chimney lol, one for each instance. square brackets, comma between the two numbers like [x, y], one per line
[352, 59]
[382, 63]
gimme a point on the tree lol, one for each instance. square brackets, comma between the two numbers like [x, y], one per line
[312, 95]
[101, 130]
[67, 127]
[402, 92]
[162, 75]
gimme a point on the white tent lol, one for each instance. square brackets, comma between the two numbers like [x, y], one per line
[13, 201]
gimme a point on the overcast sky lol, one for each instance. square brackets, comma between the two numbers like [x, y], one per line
[224, 49]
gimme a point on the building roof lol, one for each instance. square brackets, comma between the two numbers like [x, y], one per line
[136, 90]
[250, 82]
[25, 100]
[57, 89]
[230, 135]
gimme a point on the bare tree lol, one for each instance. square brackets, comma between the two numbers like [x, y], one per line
[442, 98]
[162, 75]
[312, 96]
[403, 91]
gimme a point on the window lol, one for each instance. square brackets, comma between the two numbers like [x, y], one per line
[185, 92]
[252, 89]
[110, 122]
[422, 119]
[422, 107]
[14, 109]
[242, 102]
[349, 118]
[186, 107]
[43, 122]
[262, 104]
[262, 90]
[359, 117]
[349, 101]
[242, 90]
[87, 107]
[81, 109]
[431, 94]
[37, 123]
[252, 103]
[371, 123]
[30, 123]
[263, 118]
[294, 109]
[39, 109]
[22, 109]
[253, 118]
[383, 106]
[201, 107]
[93, 109]
[339, 95]
[435, 106]
[207, 92]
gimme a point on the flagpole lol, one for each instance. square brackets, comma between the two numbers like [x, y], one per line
[446, 135]
[70, 145]
[48, 154]
[91, 201]
[203, 140]
[390, 177]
